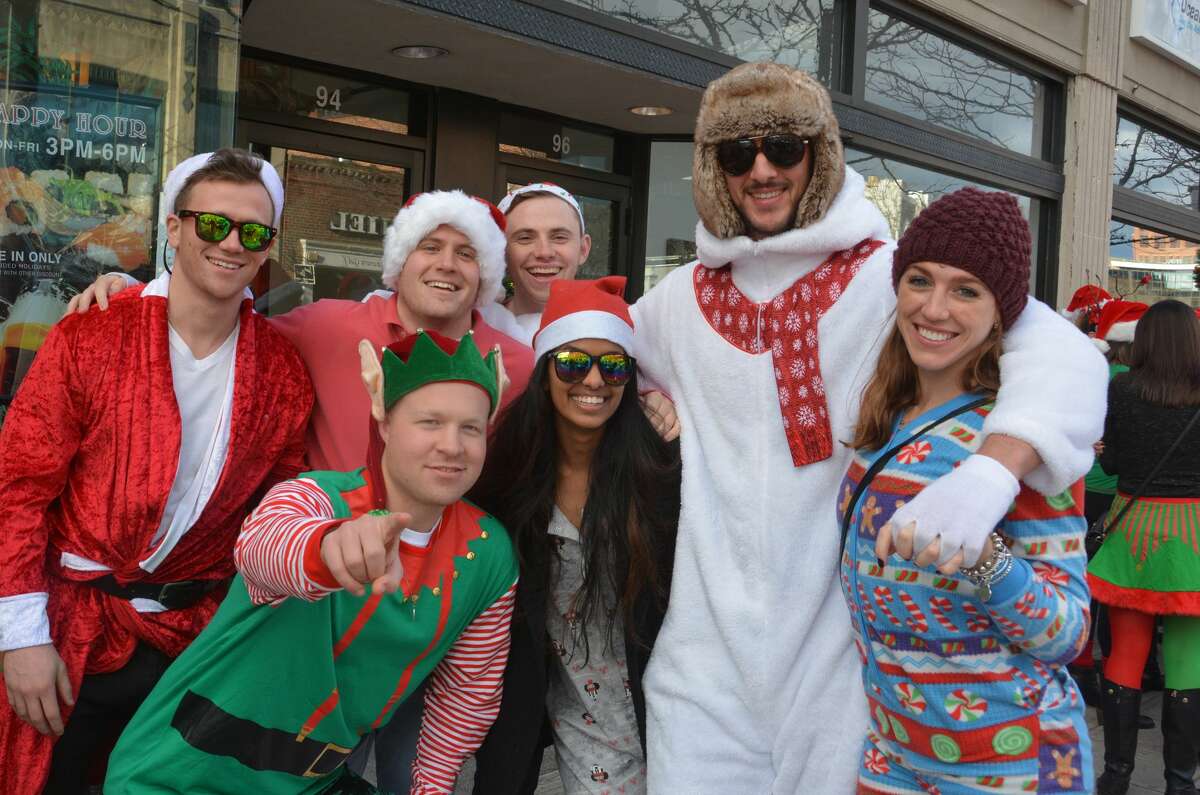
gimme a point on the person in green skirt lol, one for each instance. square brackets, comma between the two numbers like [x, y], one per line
[353, 588]
[1149, 564]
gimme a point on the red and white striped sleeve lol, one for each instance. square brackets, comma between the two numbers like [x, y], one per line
[271, 548]
[463, 698]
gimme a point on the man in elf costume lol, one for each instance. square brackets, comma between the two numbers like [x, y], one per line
[354, 588]
[123, 483]
[765, 345]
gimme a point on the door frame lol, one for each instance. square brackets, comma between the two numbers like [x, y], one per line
[250, 132]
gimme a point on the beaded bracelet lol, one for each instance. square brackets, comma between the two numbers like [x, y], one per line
[991, 571]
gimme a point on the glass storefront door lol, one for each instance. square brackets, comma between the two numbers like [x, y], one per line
[340, 198]
[603, 206]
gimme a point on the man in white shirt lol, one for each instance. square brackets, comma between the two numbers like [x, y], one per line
[547, 240]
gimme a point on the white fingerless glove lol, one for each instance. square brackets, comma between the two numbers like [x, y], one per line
[962, 507]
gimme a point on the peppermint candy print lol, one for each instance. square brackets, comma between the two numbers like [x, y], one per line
[911, 697]
[914, 453]
[875, 762]
[965, 706]
[787, 326]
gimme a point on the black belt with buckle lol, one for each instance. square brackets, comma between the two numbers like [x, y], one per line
[171, 595]
[208, 728]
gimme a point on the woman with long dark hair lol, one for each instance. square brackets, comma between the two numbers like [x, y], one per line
[963, 653]
[589, 493]
[1149, 564]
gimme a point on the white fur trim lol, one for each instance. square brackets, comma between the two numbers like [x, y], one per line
[430, 210]
[174, 182]
[1100, 344]
[1121, 332]
[589, 324]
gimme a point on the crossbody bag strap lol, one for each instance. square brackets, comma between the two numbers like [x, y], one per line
[882, 461]
[1157, 467]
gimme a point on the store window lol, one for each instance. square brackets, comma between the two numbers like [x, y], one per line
[670, 212]
[546, 138]
[1149, 265]
[97, 105]
[901, 190]
[1153, 163]
[928, 77]
[803, 33]
[283, 88]
[331, 235]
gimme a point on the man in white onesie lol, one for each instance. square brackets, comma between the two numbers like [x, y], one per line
[765, 344]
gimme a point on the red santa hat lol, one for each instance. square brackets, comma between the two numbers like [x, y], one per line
[478, 219]
[585, 309]
[1118, 320]
[1089, 298]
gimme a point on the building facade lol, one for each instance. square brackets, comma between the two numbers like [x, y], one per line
[1087, 110]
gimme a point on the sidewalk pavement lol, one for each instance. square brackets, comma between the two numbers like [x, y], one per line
[1147, 774]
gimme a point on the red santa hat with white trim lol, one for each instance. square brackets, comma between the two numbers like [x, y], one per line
[585, 309]
[477, 218]
[1089, 298]
[1118, 322]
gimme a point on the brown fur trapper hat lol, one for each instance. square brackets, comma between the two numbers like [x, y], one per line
[760, 99]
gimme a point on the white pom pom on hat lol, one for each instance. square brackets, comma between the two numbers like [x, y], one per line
[478, 219]
[173, 184]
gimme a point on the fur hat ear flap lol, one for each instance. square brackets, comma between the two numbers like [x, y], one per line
[713, 204]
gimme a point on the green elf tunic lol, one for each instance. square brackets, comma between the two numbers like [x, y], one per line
[1150, 559]
[274, 693]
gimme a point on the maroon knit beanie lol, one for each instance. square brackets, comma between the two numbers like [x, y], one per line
[982, 232]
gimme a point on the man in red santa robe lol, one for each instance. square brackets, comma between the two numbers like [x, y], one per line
[123, 483]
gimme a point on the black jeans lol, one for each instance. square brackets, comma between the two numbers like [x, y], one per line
[104, 705]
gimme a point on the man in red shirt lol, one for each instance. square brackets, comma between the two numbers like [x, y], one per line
[443, 256]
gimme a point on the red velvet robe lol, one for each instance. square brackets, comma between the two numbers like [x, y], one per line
[88, 453]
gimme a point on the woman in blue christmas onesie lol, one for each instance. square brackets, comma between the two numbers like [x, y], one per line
[964, 641]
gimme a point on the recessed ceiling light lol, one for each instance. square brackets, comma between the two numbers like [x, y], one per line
[651, 110]
[419, 51]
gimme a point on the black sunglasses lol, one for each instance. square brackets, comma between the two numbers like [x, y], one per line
[783, 150]
[214, 227]
[574, 366]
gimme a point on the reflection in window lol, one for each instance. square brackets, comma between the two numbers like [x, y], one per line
[925, 76]
[331, 236]
[1148, 265]
[671, 214]
[1150, 162]
[99, 101]
[801, 33]
[283, 88]
[901, 191]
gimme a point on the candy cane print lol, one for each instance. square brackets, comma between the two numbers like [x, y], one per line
[916, 620]
[882, 597]
[1025, 606]
[1011, 628]
[976, 621]
[868, 611]
[1032, 686]
[940, 606]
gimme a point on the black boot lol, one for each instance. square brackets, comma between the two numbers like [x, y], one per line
[1120, 706]
[1181, 739]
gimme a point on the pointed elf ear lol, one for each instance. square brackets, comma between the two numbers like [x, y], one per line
[372, 376]
[502, 381]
